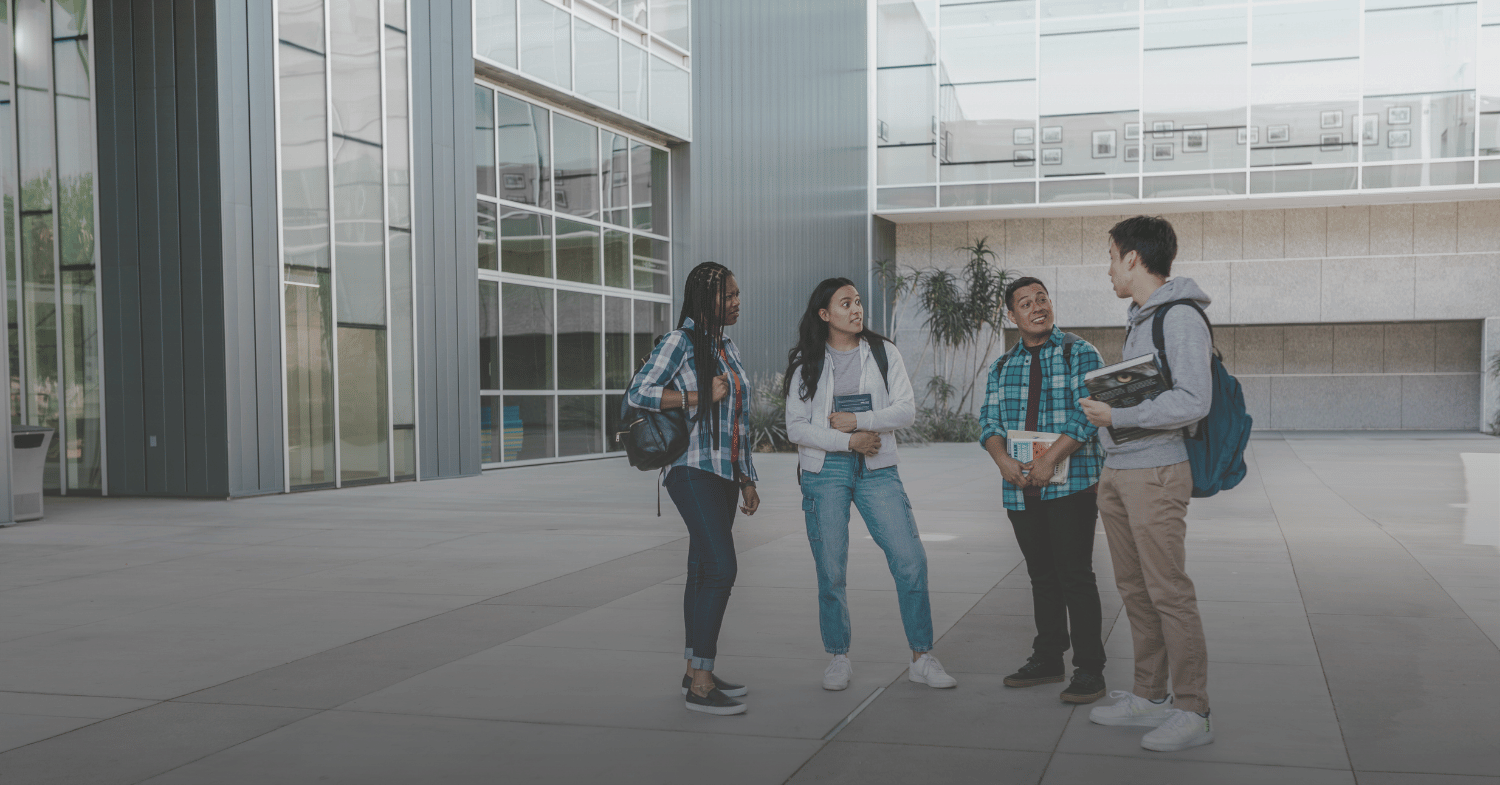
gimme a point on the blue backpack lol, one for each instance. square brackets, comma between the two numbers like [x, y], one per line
[1216, 452]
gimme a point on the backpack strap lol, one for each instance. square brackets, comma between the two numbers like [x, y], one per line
[1159, 337]
[877, 349]
[1068, 340]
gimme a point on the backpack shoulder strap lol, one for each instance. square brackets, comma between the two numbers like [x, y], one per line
[1159, 335]
[1068, 340]
[877, 348]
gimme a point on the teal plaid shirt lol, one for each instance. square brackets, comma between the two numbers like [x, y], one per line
[1005, 401]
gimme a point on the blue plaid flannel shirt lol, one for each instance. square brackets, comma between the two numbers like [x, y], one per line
[1005, 401]
[671, 367]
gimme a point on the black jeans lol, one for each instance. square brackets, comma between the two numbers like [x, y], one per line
[707, 503]
[1057, 539]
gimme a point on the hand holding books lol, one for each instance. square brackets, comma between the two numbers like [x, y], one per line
[1121, 386]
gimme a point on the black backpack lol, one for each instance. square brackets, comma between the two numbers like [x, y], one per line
[653, 440]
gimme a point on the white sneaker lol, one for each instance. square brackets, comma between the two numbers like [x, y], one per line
[1130, 709]
[1182, 729]
[836, 675]
[927, 670]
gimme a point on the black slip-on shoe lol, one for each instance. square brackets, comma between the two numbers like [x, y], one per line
[1036, 672]
[1085, 688]
[732, 690]
[716, 702]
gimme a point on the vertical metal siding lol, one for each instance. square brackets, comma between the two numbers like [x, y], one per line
[778, 172]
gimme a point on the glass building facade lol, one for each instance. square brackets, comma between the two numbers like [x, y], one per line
[574, 275]
[47, 173]
[346, 241]
[1020, 102]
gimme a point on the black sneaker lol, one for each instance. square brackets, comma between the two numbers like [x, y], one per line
[1036, 672]
[1085, 688]
[732, 690]
[716, 702]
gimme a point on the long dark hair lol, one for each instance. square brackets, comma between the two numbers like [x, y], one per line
[703, 302]
[812, 339]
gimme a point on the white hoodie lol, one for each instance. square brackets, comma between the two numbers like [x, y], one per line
[807, 421]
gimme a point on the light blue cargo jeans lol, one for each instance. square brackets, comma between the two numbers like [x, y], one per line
[882, 502]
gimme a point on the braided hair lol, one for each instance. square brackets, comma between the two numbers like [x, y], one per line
[703, 302]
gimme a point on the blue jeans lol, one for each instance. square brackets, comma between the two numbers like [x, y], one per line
[707, 503]
[882, 502]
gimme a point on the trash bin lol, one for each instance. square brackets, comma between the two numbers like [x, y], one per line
[28, 457]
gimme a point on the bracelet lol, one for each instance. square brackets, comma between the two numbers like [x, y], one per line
[747, 483]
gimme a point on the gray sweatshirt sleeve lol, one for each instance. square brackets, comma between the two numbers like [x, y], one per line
[1189, 346]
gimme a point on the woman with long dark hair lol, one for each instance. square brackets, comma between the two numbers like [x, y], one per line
[697, 368]
[852, 394]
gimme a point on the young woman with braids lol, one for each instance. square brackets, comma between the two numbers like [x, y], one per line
[716, 471]
[843, 420]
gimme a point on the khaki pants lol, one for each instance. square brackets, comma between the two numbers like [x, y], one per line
[1143, 512]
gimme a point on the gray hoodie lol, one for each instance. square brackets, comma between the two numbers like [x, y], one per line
[1189, 345]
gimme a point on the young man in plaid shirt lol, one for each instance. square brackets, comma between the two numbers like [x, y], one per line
[1036, 387]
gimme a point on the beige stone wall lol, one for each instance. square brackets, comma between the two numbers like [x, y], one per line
[1338, 317]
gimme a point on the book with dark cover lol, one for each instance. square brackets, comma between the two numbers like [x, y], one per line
[1126, 384]
[853, 403]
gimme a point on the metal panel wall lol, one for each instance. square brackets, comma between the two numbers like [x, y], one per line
[162, 280]
[778, 171]
[446, 247]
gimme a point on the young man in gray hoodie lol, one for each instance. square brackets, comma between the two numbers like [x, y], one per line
[1144, 491]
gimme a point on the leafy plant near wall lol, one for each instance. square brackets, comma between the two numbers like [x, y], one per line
[962, 315]
[768, 416]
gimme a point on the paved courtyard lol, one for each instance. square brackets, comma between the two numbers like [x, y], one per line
[525, 627]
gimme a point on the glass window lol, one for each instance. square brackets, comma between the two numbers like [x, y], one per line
[355, 38]
[577, 251]
[988, 42]
[633, 11]
[671, 97]
[489, 335]
[533, 421]
[1419, 80]
[906, 101]
[616, 258]
[906, 198]
[484, 139]
[301, 23]
[1304, 75]
[403, 358]
[359, 223]
[1195, 64]
[364, 425]
[986, 194]
[526, 243]
[493, 430]
[618, 364]
[612, 405]
[904, 32]
[489, 237]
[577, 167]
[580, 424]
[652, 321]
[525, 158]
[546, 42]
[495, 30]
[634, 81]
[598, 71]
[526, 316]
[652, 273]
[669, 19]
[648, 190]
[1090, 88]
[989, 132]
[397, 128]
[580, 335]
[615, 154]
[1301, 180]
[1489, 79]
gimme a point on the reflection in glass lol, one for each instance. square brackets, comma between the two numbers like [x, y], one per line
[354, 36]
[1088, 190]
[1090, 88]
[489, 335]
[598, 71]
[526, 317]
[652, 273]
[615, 156]
[309, 381]
[987, 130]
[577, 251]
[633, 11]
[363, 417]
[525, 152]
[618, 367]
[905, 198]
[634, 81]
[1195, 63]
[671, 97]
[403, 357]
[906, 105]
[1186, 185]
[489, 237]
[669, 19]
[580, 335]
[652, 321]
[612, 405]
[904, 32]
[576, 148]
[495, 30]
[580, 424]
[525, 243]
[1301, 180]
[648, 188]
[484, 139]
[493, 430]
[616, 258]
[359, 233]
[533, 419]
[988, 193]
[1419, 66]
[398, 124]
[301, 23]
[546, 42]
[1418, 175]
[1304, 74]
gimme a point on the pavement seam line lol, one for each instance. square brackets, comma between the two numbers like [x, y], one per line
[844, 723]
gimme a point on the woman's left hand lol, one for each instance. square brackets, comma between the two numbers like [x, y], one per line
[751, 498]
[842, 421]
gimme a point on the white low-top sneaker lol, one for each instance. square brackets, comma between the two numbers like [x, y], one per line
[836, 675]
[1183, 729]
[1130, 709]
[927, 670]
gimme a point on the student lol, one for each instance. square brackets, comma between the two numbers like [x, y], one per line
[846, 456]
[715, 472]
[1036, 387]
[1144, 491]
